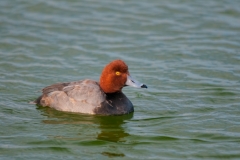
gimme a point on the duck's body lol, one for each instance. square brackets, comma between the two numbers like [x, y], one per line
[91, 97]
[84, 97]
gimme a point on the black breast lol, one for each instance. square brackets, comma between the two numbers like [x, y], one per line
[115, 104]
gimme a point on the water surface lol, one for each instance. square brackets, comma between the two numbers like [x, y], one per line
[187, 52]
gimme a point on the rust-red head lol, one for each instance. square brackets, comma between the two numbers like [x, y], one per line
[115, 76]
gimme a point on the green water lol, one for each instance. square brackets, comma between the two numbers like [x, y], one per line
[187, 52]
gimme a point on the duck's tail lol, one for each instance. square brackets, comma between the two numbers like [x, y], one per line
[37, 101]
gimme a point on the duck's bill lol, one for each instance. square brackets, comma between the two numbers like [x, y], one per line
[132, 82]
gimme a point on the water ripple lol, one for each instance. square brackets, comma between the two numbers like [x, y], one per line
[186, 52]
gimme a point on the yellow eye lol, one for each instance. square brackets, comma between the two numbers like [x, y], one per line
[118, 73]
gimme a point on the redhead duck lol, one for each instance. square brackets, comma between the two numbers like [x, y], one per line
[91, 97]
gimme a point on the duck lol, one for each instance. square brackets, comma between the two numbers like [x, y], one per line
[103, 97]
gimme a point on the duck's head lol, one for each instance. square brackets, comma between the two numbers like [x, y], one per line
[115, 76]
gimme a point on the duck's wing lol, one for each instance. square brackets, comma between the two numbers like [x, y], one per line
[87, 91]
[80, 96]
[54, 87]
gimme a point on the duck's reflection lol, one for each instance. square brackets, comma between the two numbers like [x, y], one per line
[111, 127]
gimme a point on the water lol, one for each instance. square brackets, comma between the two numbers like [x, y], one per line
[187, 52]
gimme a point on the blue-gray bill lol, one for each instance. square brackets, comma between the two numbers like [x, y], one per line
[134, 83]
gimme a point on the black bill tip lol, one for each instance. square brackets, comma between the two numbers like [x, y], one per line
[143, 86]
